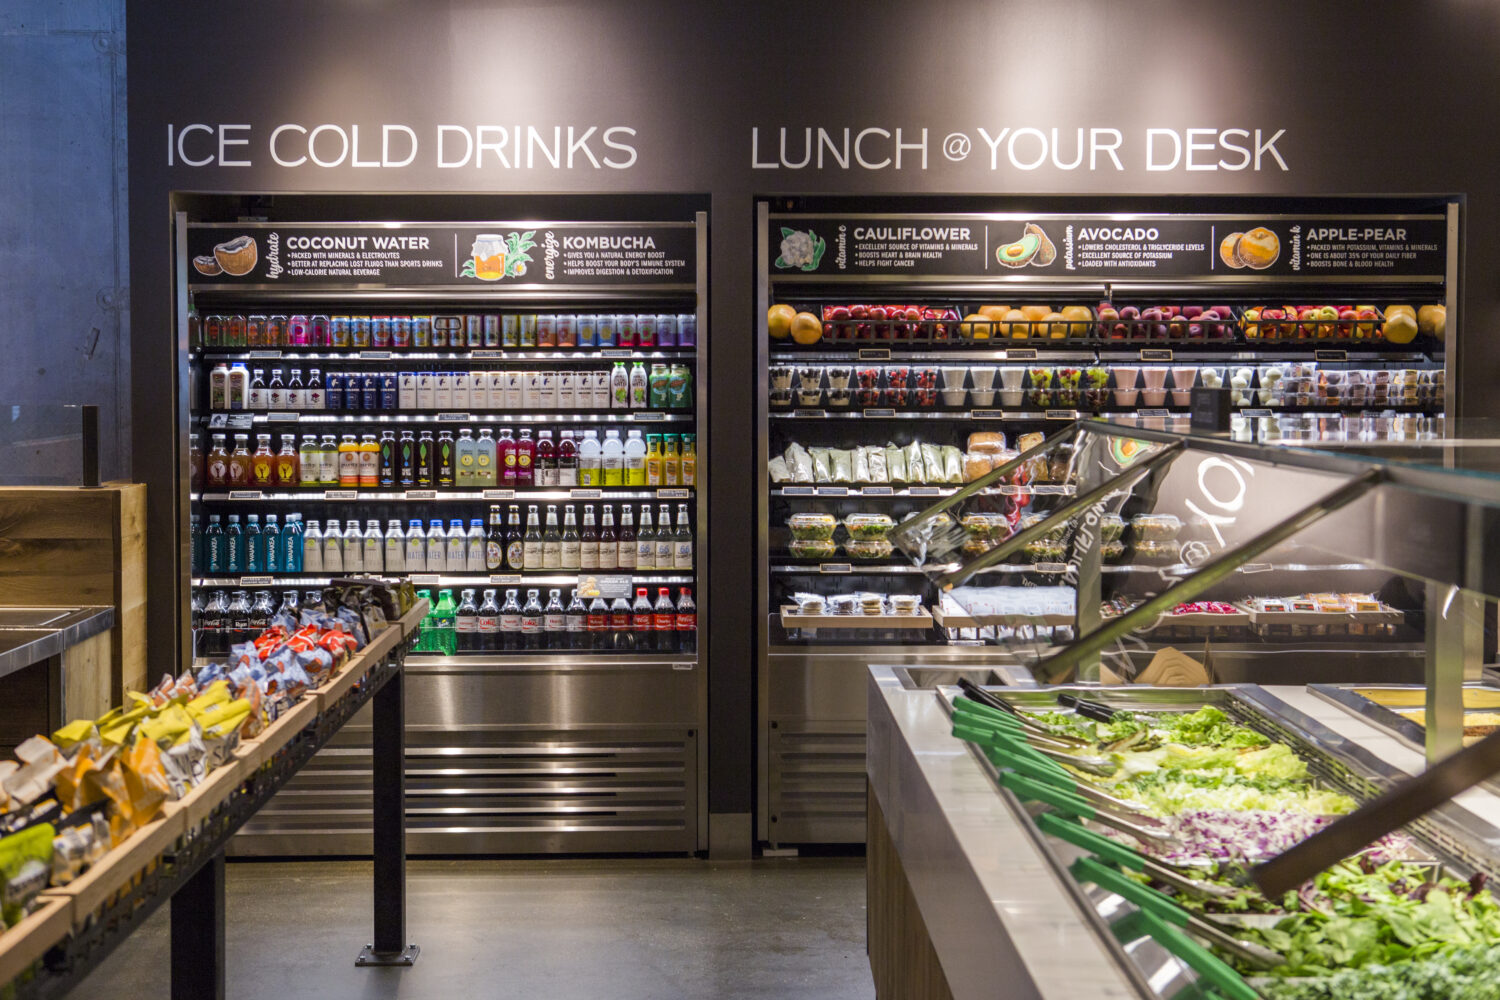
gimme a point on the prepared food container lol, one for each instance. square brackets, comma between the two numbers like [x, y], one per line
[1112, 550]
[1054, 534]
[905, 604]
[868, 550]
[1111, 527]
[810, 604]
[1155, 527]
[812, 527]
[1048, 550]
[868, 527]
[1165, 550]
[813, 548]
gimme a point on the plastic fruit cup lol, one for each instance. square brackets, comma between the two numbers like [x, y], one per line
[809, 378]
[1125, 377]
[838, 377]
[1125, 397]
[1011, 397]
[897, 378]
[954, 397]
[1183, 376]
[781, 378]
[1153, 397]
[867, 378]
[1156, 378]
[953, 378]
[982, 378]
[1011, 378]
[986, 397]
[809, 397]
[781, 397]
[1182, 397]
[838, 397]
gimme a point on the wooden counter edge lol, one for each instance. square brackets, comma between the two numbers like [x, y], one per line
[121, 864]
[22, 945]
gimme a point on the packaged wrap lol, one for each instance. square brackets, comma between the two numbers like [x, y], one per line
[861, 465]
[25, 866]
[777, 470]
[953, 464]
[915, 469]
[841, 465]
[801, 463]
[932, 463]
[878, 471]
[822, 470]
[895, 463]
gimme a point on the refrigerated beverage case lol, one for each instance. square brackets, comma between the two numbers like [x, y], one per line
[437, 548]
[515, 544]
[288, 464]
[387, 460]
[588, 541]
[525, 458]
[406, 460]
[445, 469]
[590, 461]
[577, 622]
[484, 459]
[531, 621]
[545, 463]
[665, 540]
[489, 623]
[612, 459]
[494, 543]
[255, 545]
[374, 546]
[567, 461]
[531, 542]
[215, 558]
[570, 546]
[416, 547]
[609, 547]
[395, 547]
[466, 624]
[426, 460]
[551, 541]
[626, 541]
[682, 541]
[645, 541]
[238, 477]
[554, 622]
[664, 623]
[687, 622]
[635, 459]
[510, 623]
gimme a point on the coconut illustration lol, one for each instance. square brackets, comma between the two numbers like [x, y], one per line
[238, 256]
[207, 264]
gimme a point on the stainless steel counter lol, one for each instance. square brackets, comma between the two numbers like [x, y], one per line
[29, 635]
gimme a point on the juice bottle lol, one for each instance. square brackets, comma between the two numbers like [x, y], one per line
[505, 458]
[466, 459]
[671, 461]
[653, 460]
[328, 461]
[635, 459]
[613, 459]
[625, 329]
[262, 463]
[639, 386]
[216, 465]
[445, 459]
[567, 460]
[195, 464]
[545, 466]
[484, 459]
[348, 462]
[239, 387]
[288, 464]
[590, 461]
[309, 462]
[619, 387]
[218, 387]
[239, 463]
[690, 460]
[369, 462]
[525, 458]
[388, 460]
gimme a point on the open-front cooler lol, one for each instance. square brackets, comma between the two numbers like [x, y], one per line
[506, 414]
[906, 354]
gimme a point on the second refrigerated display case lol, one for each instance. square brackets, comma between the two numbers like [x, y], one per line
[906, 353]
[507, 415]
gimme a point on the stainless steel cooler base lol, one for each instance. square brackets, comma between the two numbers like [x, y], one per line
[515, 757]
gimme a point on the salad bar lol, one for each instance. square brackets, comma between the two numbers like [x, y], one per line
[1146, 807]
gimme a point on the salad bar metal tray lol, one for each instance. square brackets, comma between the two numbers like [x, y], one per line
[1448, 842]
[1399, 709]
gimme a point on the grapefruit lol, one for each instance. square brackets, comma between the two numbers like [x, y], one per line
[1400, 328]
[779, 320]
[976, 326]
[806, 328]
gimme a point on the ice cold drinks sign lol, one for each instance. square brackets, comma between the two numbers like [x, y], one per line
[1110, 247]
[489, 254]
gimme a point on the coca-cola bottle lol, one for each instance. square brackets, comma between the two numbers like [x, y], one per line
[466, 623]
[510, 623]
[664, 623]
[598, 624]
[578, 622]
[619, 625]
[687, 621]
[531, 621]
[554, 622]
[489, 623]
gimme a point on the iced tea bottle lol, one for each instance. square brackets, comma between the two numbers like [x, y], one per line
[263, 463]
[216, 468]
[288, 466]
[195, 464]
[690, 460]
[239, 463]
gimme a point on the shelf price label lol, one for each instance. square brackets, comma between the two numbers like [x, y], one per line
[874, 354]
[986, 414]
[797, 491]
[615, 352]
[1243, 356]
[421, 494]
[1046, 567]
[1331, 355]
[1255, 413]
[454, 418]
[672, 494]
[257, 581]
[1156, 354]
[1020, 354]
[499, 494]
[502, 578]
[262, 355]
[810, 414]
[879, 411]
[282, 416]
[833, 491]
[424, 579]
[649, 416]
[926, 491]
[835, 568]
[877, 491]
[1153, 413]
[245, 494]
[486, 355]
[1256, 568]
[1062, 415]
[584, 494]
[374, 355]
[340, 494]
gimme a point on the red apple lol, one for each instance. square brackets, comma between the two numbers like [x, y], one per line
[1192, 312]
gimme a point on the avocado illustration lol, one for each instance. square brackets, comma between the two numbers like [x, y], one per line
[1047, 253]
[1019, 253]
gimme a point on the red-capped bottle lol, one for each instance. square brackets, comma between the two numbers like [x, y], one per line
[687, 621]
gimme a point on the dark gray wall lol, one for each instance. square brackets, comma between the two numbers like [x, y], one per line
[63, 256]
[1379, 97]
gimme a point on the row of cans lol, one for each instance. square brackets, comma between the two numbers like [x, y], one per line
[426, 332]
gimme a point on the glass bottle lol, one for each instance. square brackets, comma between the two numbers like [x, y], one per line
[369, 462]
[609, 542]
[571, 544]
[567, 461]
[494, 543]
[288, 464]
[406, 460]
[510, 622]
[465, 464]
[682, 541]
[388, 460]
[551, 541]
[515, 545]
[295, 391]
[276, 392]
[216, 465]
[531, 542]
[328, 451]
[484, 459]
[426, 469]
[505, 452]
[588, 541]
[545, 467]
[238, 477]
[665, 539]
[645, 542]
[348, 462]
[445, 459]
[627, 538]
[525, 459]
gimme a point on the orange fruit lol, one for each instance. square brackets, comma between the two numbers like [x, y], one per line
[976, 326]
[806, 328]
[1400, 328]
[996, 313]
[779, 320]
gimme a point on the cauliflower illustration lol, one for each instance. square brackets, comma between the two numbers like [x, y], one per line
[802, 250]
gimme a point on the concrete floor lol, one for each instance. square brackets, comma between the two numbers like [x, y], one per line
[623, 929]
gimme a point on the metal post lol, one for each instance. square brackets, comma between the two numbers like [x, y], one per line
[198, 934]
[90, 447]
[390, 946]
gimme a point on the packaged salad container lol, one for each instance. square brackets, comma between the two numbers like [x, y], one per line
[810, 527]
[868, 527]
[868, 550]
[813, 548]
[1155, 527]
